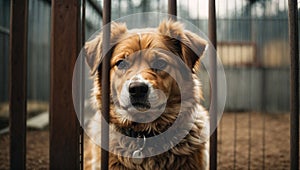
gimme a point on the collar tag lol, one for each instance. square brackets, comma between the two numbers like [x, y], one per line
[138, 156]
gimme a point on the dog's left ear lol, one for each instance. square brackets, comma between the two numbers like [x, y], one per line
[187, 44]
[93, 49]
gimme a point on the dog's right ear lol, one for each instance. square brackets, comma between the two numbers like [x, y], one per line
[93, 49]
[187, 44]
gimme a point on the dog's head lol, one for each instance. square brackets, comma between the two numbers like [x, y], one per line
[147, 68]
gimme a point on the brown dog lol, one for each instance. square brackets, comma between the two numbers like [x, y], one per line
[153, 86]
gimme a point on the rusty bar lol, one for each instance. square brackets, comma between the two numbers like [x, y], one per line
[17, 82]
[213, 81]
[64, 125]
[172, 9]
[294, 74]
[83, 22]
[105, 84]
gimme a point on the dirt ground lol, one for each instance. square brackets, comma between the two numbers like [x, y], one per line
[269, 151]
[263, 149]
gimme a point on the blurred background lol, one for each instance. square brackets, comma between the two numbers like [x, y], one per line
[252, 43]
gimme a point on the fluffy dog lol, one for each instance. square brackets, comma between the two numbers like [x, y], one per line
[153, 86]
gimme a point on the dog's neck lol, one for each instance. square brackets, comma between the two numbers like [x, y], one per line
[136, 134]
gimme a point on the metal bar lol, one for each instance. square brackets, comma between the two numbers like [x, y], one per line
[220, 137]
[249, 136]
[213, 81]
[235, 140]
[294, 54]
[263, 141]
[172, 9]
[83, 22]
[82, 82]
[64, 126]
[17, 83]
[105, 82]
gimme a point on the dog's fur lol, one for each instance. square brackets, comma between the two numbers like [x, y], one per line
[140, 47]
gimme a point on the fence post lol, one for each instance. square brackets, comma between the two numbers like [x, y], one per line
[82, 84]
[105, 84]
[213, 82]
[172, 9]
[17, 83]
[64, 125]
[294, 54]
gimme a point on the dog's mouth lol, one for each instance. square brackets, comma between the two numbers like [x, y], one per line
[141, 106]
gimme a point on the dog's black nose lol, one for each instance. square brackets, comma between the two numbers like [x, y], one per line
[138, 89]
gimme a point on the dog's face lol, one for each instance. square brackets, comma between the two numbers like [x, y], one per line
[142, 84]
[147, 68]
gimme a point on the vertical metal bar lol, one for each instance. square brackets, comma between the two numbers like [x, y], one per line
[263, 98]
[252, 39]
[105, 84]
[64, 125]
[294, 54]
[82, 95]
[172, 9]
[264, 141]
[17, 81]
[220, 137]
[249, 136]
[213, 62]
[235, 140]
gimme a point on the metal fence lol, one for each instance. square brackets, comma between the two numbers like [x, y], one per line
[245, 47]
[38, 39]
[264, 60]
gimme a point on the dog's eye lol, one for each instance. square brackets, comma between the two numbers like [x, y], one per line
[159, 64]
[122, 64]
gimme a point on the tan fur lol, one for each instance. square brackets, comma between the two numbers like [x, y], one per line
[192, 151]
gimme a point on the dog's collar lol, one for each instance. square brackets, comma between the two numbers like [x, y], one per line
[134, 134]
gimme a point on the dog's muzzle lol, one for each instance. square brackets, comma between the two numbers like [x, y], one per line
[138, 92]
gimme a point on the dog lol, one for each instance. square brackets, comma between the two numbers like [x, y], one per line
[153, 85]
